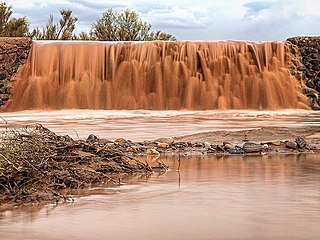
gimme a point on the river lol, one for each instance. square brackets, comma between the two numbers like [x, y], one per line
[147, 125]
[230, 197]
[235, 197]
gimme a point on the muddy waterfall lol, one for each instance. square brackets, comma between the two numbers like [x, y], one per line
[156, 75]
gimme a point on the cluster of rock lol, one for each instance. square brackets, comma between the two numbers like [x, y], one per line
[306, 66]
[13, 54]
[168, 145]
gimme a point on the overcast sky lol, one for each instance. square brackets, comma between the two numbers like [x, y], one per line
[193, 19]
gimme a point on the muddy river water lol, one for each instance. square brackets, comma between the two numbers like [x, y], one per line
[248, 197]
[148, 125]
[235, 197]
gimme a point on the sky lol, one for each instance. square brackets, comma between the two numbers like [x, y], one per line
[192, 19]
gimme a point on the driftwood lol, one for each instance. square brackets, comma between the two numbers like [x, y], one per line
[35, 163]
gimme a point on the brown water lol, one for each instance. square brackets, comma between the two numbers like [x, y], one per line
[157, 76]
[251, 197]
[147, 125]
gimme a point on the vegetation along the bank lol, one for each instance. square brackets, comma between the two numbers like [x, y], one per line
[111, 26]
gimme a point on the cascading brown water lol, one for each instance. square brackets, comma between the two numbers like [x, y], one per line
[156, 75]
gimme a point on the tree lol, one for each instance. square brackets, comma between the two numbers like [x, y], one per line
[11, 27]
[83, 36]
[125, 26]
[57, 31]
[158, 35]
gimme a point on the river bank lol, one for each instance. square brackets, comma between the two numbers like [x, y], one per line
[36, 164]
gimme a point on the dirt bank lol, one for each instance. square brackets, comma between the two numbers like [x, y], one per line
[35, 164]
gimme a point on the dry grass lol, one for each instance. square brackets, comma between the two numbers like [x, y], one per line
[35, 163]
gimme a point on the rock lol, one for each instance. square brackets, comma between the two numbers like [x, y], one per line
[153, 151]
[310, 74]
[235, 150]
[167, 140]
[162, 145]
[227, 146]
[3, 76]
[301, 68]
[207, 145]
[110, 144]
[276, 143]
[120, 140]
[310, 84]
[291, 144]
[198, 144]
[180, 144]
[316, 68]
[4, 97]
[315, 62]
[301, 142]
[92, 138]
[265, 147]
[314, 55]
[250, 147]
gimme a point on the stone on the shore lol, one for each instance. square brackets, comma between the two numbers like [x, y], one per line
[207, 145]
[92, 138]
[250, 147]
[227, 145]
[276, 143]
[152, 151]
[265, 147]
[301, 142]
[235, 150]
[291, 144]
[167, 140]
[120, 140]
[198, 144]
[162, 145]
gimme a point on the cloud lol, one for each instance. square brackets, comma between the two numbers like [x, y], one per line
[176, 17]
[100, 6]
[255, 8]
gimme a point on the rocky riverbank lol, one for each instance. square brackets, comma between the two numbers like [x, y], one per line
[306, 66]
[257, 141]
[13, 54]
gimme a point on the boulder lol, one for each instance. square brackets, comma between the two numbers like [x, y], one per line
[301, 68]
[250, 147]
[310, 74]
[265, 147]
[291, 144]
[153, 151]
[3, 75]
[92, 138]
[235, 150]
[301, 143]
[316, 68]
[162, 145]
[120, 140]
[207, 145]
[167, 140]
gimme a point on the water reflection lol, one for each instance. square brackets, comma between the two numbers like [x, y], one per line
[249, 197]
